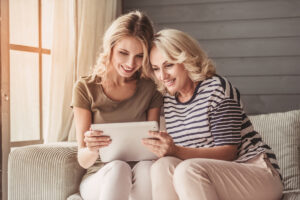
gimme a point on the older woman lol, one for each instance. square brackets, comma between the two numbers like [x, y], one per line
[210, 149]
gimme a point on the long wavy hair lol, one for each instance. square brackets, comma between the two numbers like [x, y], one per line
[135, 24]
[179, 47]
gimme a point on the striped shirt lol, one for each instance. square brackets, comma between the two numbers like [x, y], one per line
[214, 116]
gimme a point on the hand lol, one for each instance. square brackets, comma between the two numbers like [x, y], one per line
[161, 144]
[94, 140]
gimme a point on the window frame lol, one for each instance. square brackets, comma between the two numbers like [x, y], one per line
[6, 144]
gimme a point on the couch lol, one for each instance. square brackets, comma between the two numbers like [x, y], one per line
[51, 171]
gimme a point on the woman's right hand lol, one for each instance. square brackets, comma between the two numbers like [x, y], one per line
[94, 140]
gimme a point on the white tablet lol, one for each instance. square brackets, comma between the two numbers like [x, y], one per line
[126, 139]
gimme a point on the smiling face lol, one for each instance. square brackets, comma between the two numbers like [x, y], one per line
[172, 75]
[127, 56]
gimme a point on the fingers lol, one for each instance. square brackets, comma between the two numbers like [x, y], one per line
[156, 149]
[97, 139]
[159, 135]
[96, 146]
[156, 146]
[152, 141]
[94, 140]
[161, 143]
[91, 133]
[163, 136]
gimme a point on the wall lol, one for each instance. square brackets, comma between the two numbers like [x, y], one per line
[254, 43]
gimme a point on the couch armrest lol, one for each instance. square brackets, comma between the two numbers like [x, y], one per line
[46, 171]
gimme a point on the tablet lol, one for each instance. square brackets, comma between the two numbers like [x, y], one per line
[126, 141]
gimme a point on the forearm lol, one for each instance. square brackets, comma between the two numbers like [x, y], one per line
[227, 152]
[86, 158]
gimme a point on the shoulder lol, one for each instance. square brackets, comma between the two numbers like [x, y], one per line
[87, 82]
[147, 90]
[219, 84]
[213, 83]
[147, 84]
[221, 89]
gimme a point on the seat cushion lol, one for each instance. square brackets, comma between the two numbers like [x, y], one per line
[281, 131]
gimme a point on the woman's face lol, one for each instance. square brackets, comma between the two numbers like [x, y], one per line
[127, 56]
[173, 76]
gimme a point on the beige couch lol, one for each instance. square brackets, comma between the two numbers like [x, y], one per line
[51, 171]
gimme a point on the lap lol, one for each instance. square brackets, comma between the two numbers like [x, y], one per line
[231, 180]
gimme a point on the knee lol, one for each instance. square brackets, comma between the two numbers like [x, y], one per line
[142, 167]
[120, 167]
[181, 171]
[189, 170]
[163, 165]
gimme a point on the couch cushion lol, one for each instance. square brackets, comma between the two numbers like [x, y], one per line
[44, 172]
[281, 131]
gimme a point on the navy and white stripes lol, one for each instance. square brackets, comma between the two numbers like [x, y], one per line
[214, 117]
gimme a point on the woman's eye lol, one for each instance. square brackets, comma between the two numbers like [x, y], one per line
[155, 69]
[140, 55]
[123, 53]
[169, 65]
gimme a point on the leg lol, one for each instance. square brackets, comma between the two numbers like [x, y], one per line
[162, 178]
[115, 175]
[210, 179]
[141, 183]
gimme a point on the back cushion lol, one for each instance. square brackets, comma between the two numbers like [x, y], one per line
[281, 131]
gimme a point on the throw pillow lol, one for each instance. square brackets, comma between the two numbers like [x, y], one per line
[281, 131]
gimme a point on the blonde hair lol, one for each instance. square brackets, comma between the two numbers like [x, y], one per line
[135, 24]
[179, 47]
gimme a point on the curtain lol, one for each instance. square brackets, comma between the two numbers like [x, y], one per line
[78, 28]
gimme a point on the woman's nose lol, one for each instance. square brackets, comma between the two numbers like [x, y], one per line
[163, 75]
[131, 62]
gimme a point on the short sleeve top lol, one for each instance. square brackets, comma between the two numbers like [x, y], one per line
[214, 116]
[89, 94]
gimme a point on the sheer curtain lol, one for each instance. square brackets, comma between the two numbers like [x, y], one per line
[78, 27]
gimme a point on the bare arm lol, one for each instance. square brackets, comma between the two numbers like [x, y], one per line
[226, 152]
[164, 146]
[153, 114]
[88, 141]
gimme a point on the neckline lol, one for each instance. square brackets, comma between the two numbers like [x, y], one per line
[124, 100]
[192, 98]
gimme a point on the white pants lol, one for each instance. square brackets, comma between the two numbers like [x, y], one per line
[117, 181]
[209, 179]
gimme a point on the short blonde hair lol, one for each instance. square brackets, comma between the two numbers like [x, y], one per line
[179, 47]
[135, 24]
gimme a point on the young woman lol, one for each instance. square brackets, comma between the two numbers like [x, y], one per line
[210, 150]
[116, 92]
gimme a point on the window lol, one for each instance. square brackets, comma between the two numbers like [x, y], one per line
[30, 25]
[26, 39]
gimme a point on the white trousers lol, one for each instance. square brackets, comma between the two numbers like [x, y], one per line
[117, 181]
[209, 179]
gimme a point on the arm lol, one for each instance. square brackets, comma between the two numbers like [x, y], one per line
[226, 118]
[226, 152]
[88, 141]
[153, 114]
[164, 146]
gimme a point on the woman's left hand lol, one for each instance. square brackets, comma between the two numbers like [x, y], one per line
[160, 143]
